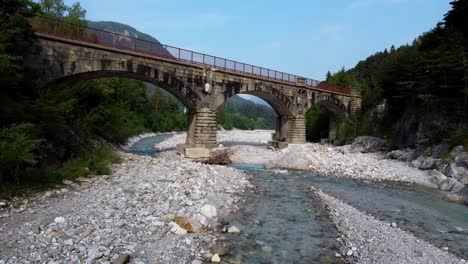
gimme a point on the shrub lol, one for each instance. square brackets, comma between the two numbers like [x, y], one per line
[18, 150]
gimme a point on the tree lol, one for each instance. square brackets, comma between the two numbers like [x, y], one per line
[58, 9]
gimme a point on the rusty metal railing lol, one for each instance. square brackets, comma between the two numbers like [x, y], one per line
[52, 26]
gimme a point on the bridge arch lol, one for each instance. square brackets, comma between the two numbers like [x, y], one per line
[334, 105]
[336, 108]
[177, 88]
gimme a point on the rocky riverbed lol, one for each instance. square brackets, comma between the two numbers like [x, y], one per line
[128, 213]
[142, 211]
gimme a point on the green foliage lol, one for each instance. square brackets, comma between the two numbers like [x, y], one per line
[60, 126]
[58, 9]
[460, 137]
[317, 121]
[95, 162]
[18, 148]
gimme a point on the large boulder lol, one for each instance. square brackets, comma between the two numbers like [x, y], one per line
[457, 172]
[460, 156]
[366, 144]
[405, 155]
[445, 183]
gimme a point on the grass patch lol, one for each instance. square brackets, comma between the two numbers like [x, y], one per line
[95, 162]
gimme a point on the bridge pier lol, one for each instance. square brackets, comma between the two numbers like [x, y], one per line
[201, 135]
[290, 130]
[298, 130]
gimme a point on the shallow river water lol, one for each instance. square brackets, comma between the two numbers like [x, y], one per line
[283, 223]
[284, 199]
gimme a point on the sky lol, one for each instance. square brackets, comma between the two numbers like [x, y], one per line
[302, 37]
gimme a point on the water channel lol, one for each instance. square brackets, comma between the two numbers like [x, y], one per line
[282, 223]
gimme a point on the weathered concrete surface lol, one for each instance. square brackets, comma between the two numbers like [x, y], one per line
[63, 60]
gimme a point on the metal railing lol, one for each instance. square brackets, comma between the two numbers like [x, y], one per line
[52, 26]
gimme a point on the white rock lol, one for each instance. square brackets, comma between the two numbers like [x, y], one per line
[202, 219]
[3, 204]
[68, 242]
[233, 230]
[67, 182]
[209, 211]
[176, 229]
[394, 224]
[59, 220]
[349, 253]
[215, 258]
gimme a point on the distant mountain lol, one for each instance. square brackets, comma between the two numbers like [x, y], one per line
[121, 29]
[254, 99]
[129, 31]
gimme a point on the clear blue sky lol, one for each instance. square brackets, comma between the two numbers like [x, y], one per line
[304, 37]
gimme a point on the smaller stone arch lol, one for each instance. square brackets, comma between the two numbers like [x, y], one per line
[333, 104]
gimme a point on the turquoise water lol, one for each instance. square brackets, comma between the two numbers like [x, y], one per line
[420, 211]
[281, 222]
[146, 147]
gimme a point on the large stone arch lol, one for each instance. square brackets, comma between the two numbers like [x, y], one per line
[172, 85]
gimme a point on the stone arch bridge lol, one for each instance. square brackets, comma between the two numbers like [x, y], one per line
[70, 52]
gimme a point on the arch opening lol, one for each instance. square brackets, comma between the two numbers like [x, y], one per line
[246, 111]
[322, 121]
[117, 106]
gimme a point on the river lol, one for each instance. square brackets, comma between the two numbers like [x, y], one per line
[283, 223]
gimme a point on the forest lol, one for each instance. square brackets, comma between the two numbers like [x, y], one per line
[413, 95]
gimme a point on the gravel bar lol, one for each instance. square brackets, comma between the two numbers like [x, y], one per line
[365, 239]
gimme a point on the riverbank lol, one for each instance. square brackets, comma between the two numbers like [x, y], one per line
[129, 212]
[364, 239]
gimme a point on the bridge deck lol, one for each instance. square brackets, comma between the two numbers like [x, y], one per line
[63, 31]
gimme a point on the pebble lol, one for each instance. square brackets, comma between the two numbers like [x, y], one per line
[394, 224]
[208, 211]
[3, 204]
[122, 259]
[59, 220]
[36, 230]
[215, 258]
[233, 230]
